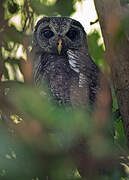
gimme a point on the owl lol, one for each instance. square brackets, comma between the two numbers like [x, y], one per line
[61, 59]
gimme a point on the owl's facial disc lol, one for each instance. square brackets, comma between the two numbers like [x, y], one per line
[57, 35]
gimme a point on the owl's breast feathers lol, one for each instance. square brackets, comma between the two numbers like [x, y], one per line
[56, 72]
[66, 85]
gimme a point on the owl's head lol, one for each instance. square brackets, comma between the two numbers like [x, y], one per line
[59, 34]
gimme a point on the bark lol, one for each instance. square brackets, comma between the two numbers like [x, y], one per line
[110, 15]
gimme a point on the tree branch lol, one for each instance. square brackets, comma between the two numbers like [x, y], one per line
[110, 15]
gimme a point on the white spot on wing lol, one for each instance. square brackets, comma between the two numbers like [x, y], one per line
[74, 66]
[82, 80]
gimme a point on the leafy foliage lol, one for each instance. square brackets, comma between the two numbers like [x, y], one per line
[37, 136]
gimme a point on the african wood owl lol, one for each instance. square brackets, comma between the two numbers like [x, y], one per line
[61, 59]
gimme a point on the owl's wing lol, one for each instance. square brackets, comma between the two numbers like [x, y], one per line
[81, 62]
[73, 61]
[90, 75]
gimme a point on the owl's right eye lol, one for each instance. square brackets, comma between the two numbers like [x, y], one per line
[48, 34]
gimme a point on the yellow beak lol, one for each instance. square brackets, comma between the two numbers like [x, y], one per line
[59, 47]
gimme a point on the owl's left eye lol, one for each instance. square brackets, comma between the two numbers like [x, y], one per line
[48, 34]
[72, 34]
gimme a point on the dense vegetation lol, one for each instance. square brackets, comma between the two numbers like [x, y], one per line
[37, 136]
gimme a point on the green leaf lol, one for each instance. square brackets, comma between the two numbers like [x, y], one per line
[96, 50]
[11, 34]
[120, 135]
[61, 7]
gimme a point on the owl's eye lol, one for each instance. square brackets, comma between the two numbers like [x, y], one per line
[72, 34]
[48, 34]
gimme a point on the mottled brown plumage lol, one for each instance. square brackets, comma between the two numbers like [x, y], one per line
[61, 59]
[71, 75]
